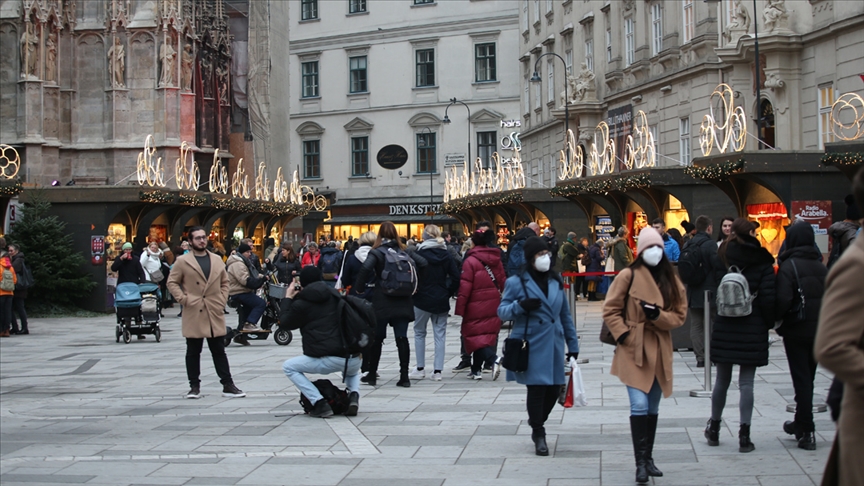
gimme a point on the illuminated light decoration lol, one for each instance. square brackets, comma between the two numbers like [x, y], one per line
[193, 199]
[716, 172]
[240, 182]
[570, 168]
[186, 174]
[639, 152]
[732, 133]
[843, 159]
[281, 191]
[10, 161]
[262, 185]
[848, 104]
[603, 186]
[486, 200]
[504, 174]
[11, 189]
[156, 197]
[218, 175]
[150, 172]
[602, 162]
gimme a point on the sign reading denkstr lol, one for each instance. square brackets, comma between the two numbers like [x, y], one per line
[412, 209]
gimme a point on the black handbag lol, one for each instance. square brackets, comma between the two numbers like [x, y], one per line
[798, 311]
[516, 350]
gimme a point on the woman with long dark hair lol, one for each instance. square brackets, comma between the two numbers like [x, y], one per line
[743, 340]
[395, 311]
[286, 263]
[725, 229]
[645, 302]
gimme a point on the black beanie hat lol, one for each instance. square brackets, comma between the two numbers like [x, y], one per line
[310, 275]
[533, 246]
[243, 248]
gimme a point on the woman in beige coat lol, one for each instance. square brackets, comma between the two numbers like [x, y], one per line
[840, 348]
[645, 302]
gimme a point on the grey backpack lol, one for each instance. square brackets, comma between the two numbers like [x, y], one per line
[733, 294]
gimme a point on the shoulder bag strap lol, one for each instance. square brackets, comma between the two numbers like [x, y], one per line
[492, 276]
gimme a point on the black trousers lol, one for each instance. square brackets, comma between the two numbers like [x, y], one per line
[18, 308]
[5, 312]
[482, 357]
[220, 359]
[802, 367]
[540, 401]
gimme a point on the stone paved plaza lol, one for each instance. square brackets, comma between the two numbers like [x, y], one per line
[77, 408]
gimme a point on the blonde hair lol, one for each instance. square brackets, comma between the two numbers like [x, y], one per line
[367, 238]
[433, 231]
[467, 245]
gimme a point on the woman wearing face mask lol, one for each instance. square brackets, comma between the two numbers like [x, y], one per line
[537, 295]
[645, 302]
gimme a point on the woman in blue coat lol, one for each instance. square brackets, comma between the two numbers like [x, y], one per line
[536, 295]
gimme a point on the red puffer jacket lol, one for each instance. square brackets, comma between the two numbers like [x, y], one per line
[479, 297]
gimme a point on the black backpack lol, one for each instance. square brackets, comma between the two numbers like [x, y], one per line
[336, 397]
[358, 323]
[25, 278]
[329, 265]
[691, 266]
[399, 277]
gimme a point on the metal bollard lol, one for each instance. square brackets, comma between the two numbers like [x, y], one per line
[705, 392]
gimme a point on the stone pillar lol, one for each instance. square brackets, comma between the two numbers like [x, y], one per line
[168, 112]
[117, 122]
[30, 114]
[187, 118]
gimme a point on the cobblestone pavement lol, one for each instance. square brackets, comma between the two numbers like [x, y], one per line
[76, 407]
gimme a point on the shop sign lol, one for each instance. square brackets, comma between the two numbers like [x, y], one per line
[511, 142]
[392, 157]
[454, 159]
[413, 209]
[511, 123]
[97, 249]
[13, 214]
[818, 215]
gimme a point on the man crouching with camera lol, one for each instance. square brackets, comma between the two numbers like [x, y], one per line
[312, 308]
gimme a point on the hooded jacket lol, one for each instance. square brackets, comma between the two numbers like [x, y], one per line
[349, 274]
[810, 279]
[571, 256]
[314, 312]
[434, 289]
[479, 297]
[238, 275]
[744, 340]
[843, 232]
[6, 262]
[716, 270]
[328, 253]
[387, 308]
[620, 253]
[516, 246]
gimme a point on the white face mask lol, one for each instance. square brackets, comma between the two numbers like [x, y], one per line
[542, 263]
[652, 256]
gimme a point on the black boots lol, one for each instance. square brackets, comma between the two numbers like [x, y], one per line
[639, 433]
[712, 432]
[538, 435]
[353, 404]
[806, 439]
[649, 457]
[404, 360]
[744, 444]
[321, 409]
[374, 357]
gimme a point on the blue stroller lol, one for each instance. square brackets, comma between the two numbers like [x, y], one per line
[138, 310]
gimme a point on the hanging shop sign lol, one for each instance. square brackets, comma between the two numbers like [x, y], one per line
[728, 136]
[97, 249]
[392, 157]
[847, 117]
[818, 215]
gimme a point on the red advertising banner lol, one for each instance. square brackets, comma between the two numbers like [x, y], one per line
[818, 215]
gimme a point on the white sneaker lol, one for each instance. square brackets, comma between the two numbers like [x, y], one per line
[417, 374]
[475, 376]
[251, 327]
[497, 369]
[437, 376]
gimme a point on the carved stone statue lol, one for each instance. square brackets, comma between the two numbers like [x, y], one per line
[581, 87]
[167, 54]
[222, 80]
[207, 75]
[740, 23]
[186, 67]
[117, 60]
[775, 16]
[29, 52]
[51, 56]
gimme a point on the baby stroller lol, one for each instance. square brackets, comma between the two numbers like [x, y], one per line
[138, 311]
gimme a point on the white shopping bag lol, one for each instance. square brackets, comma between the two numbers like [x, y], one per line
[575, 388]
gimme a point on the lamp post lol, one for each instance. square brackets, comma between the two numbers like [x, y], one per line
[431, 212]
[536, 79]
[446, 120]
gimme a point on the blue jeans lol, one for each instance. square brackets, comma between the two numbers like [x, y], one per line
[295, 368]
[253, 305]
[642, 403]
[439, 328]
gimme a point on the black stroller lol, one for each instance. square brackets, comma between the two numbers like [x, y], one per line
[138, 311]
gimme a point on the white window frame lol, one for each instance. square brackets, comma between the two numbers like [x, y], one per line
[525, 20]
[629, 41]
[589, 53]
[608, 45]
[538, 93]
[826, 101]
[687, 13]
[550, 81]
[656, 28]
[549, 6]
[684, 153]
[568, 60]
[526, 102]
[655, 135]
[536, 11]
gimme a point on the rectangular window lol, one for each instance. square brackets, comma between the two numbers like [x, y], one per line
[359, 156]
[526, 98]
[568, 60]
[426, 67]
[629, 41]
[608, 45]
[425, 153]
[524, 15]
[656, 29]
[548, 6]
[689, 25]
[536, 11]
[826, 100]
[684, 140]
[589, 54]
[486, 147]
[653, 129]
[550, 81]
[484, 62]
[537, 95]
[356, 6]
[308, 9]
[312, 159]
[357, 66]
[310, 79]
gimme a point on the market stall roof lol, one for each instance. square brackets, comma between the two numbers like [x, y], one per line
[377, 219]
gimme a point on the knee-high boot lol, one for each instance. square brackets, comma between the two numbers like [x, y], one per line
[638, 431]
[404, 350]
[371, 377]
[649, 456]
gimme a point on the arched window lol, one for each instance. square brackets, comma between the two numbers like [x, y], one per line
[766, 131]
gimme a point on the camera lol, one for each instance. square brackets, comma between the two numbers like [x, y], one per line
[297, 288]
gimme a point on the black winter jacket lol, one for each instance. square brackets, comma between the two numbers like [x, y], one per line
[350, 271]
[811, 278]
[18, 266]
[129, 270]
[434, 291]
[716, 270]
[553, 244]
[387, 309]
[284, 268]
[744, 340]
[314, 312]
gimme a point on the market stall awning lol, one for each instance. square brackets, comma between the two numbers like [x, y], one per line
[377, 219]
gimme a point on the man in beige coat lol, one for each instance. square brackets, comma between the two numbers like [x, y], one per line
[840, 348]
[199, 282]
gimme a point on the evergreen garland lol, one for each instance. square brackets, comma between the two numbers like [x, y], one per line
[843, 159]
[458, 205]
[716, 172]
[11, 188]
[602, 186]
[161, 197]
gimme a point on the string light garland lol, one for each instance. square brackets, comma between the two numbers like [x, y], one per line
[193, 199]
[458, 205]
[160, 197]
[11, 187]
[843, 159]
[716, 172]
[603, 186]
[277, 209]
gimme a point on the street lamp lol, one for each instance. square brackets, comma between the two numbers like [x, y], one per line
[422, 143]
[446, 120]
[536, 79]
